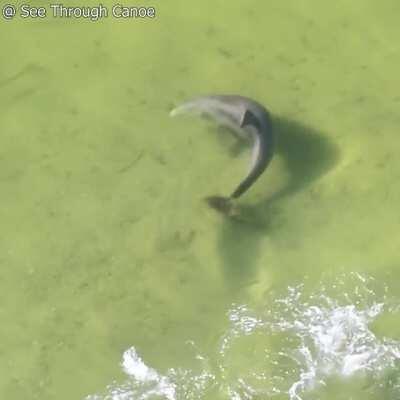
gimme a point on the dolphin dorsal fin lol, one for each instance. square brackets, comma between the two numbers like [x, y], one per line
[248, 118]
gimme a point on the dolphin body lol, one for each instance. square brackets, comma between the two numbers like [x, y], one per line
[248, 119]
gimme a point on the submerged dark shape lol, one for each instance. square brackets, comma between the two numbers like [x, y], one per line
[219, 203]
[247, 118]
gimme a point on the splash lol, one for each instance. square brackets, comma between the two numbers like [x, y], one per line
[143, 383]
[299, 346]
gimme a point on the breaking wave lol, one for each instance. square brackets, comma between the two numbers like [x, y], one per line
[305, 346]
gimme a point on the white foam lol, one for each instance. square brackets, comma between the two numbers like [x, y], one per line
[320, 337]
[135, 367]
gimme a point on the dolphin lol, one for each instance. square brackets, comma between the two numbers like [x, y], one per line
[246, 118]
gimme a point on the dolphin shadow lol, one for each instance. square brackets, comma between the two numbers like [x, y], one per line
[308, 155]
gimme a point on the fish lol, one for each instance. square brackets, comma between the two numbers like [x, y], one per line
[247, 119]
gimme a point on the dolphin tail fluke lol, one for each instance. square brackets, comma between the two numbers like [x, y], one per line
[221, 204]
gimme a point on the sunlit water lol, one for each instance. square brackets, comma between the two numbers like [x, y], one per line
[106, 244]
[320, 344]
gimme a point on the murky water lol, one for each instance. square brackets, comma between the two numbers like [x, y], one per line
[300, 346]
[118, 282]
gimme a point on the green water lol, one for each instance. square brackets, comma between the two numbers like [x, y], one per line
[105, 241]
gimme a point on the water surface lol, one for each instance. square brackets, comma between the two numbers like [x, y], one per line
[107, 246]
